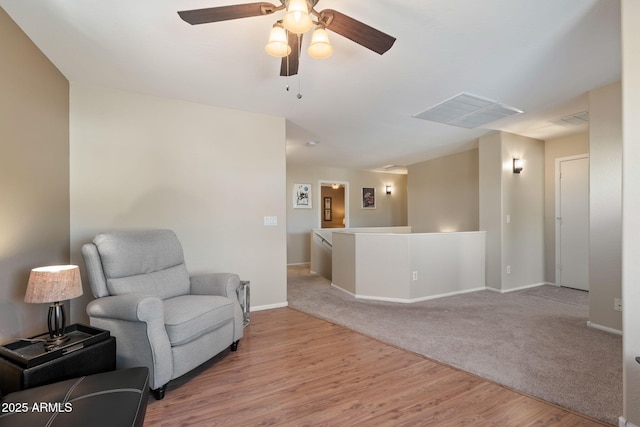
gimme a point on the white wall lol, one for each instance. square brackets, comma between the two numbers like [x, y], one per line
[408, 267]
[211, 174]
[605, 205]
[631, 207]
[391, 210]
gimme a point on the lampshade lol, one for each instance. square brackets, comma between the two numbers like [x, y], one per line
[320, 48]
[297, 19]
[277, 44]
[53, 283]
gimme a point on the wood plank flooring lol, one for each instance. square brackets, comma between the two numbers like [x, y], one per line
[292, 369]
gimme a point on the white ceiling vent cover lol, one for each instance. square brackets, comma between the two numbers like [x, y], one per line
[576, 119]
[467, 111]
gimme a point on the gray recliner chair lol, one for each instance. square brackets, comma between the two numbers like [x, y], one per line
[162, 318]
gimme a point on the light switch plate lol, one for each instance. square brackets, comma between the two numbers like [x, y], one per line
[270, 221]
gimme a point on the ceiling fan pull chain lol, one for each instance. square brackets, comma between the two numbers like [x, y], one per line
[287, 87]
[299, 95]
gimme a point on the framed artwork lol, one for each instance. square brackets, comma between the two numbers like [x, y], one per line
[368, 198]
[327, 209]
[327, 203]
[302, 196]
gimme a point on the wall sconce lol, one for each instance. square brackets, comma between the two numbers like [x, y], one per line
[388, 188]
[518, 165]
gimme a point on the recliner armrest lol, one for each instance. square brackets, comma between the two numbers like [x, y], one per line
[222, 284]
[132, 307]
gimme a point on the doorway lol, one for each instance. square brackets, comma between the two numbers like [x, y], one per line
[334, 204]
[572, 222]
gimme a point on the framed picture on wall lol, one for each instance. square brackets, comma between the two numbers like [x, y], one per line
[302, 196]
[327, 209]
[368, 198]
[327, 203]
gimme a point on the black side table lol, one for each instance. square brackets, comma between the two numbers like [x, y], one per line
[87, 355]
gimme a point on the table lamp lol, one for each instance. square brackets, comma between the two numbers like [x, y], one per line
[54, 284]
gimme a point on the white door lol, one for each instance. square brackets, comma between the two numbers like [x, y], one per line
[572, 219]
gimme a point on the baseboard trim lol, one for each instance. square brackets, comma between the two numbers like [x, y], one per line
[333, 285]
[270, 306]
[603, 328]
[622, 422]
[404, 300]
[519, 288]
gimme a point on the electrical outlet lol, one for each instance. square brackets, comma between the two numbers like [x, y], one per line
[617, 304]
[508, 269]
[415, 275]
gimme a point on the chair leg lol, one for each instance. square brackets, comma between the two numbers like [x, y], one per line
[234, 346]
[158, 393]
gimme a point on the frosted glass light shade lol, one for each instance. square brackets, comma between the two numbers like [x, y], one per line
[277, 45]
[320, 48]
[297, 19]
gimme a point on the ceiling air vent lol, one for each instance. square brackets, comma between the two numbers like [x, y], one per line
[576, 119]
[467, 111]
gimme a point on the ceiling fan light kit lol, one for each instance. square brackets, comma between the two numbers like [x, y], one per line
[297, 21]
[320, 48]
[277, 45]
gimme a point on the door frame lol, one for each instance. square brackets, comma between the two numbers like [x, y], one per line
[558, 161]
[346, 200]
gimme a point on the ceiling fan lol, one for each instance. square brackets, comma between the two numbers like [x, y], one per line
[286, 35]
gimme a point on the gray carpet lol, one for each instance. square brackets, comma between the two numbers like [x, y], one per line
[535, 341]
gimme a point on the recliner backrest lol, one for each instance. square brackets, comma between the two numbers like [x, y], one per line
[149, 262]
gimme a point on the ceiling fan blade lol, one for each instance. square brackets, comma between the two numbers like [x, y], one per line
[289, 64]
[356, 31]
[225, 13]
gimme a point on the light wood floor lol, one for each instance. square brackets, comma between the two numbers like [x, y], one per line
[292, 369]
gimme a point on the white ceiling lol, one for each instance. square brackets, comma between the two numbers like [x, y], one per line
[541, 56]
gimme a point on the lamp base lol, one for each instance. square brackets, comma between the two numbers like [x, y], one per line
[56, 324]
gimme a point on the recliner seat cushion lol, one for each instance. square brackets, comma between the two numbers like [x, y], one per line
[187, 317]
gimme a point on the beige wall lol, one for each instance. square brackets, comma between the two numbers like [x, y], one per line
[605, 205]
[490, 204]
[523, 202]
[391, 210]
[512, 210]
[34, 175]
[555, 148]
[211, 174]
[443, 193]
[631, 207]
